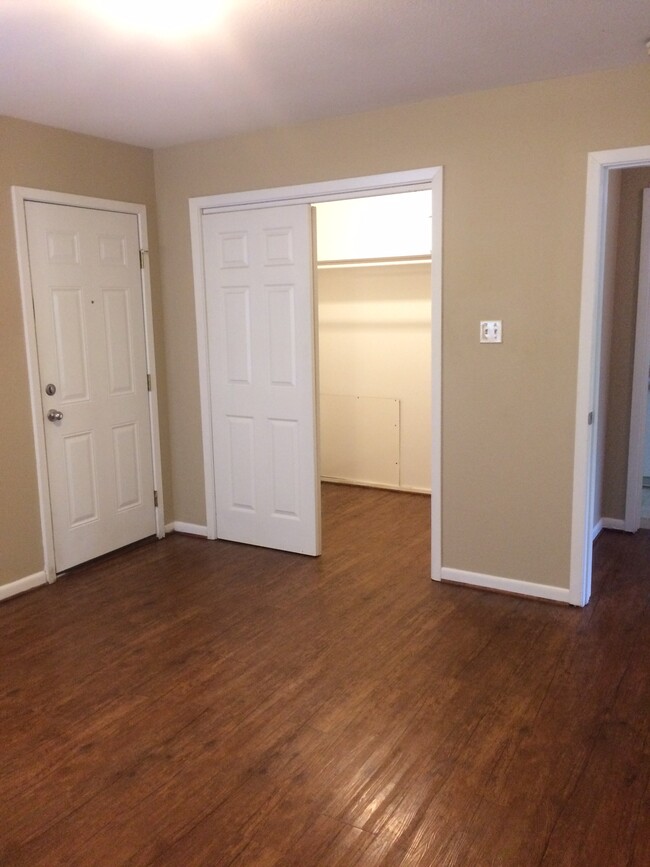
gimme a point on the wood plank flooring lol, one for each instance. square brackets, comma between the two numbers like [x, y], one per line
[207, 703]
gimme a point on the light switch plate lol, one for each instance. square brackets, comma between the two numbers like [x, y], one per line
[491, 331]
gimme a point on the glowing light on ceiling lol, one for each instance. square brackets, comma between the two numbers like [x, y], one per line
[164, 19]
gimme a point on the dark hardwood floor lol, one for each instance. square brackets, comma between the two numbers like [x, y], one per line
[206, 703]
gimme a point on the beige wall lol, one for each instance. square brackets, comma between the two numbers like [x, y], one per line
[515, 172]
[515, 169]
[51, 159]
[609, 286]
[621, 359]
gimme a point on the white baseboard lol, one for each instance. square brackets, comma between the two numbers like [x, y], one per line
[22, 584]
[607, 524]
[408, 489]
[506, 585]
[190, 529]
[612, 523]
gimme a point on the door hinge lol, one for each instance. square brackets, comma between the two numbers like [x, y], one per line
[590, 418]
[155, 499]
[148, 382]
[142, 255]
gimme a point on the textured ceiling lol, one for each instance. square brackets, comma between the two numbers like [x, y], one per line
[262, 63]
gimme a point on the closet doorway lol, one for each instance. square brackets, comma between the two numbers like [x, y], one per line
[374, 336]
[201, 211]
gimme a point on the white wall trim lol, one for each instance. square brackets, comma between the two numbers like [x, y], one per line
[598, 529]
[408, 489]
[347, 188]
[639, 402]
[613, 524]
[343, 188]
[22, 584]
[506, 585]
[587, 391]
[436, 375]
[191, 529]
[21, 195]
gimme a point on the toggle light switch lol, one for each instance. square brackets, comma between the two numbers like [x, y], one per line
[491, 331]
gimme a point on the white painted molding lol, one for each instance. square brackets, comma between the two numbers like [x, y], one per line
[22, 585]
[408, 489]
[506, 585]
[21, 195]
[190, 529]
[585, 450]
[150, 350]
[613, 524]
[436, 374]
[609, 524]
[343, 188]
[347, 188]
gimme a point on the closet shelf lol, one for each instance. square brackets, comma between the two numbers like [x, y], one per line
[363, 263]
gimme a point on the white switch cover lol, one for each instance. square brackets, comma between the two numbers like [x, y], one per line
[491, 331]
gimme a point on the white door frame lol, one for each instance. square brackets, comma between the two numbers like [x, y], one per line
[638, 411]
[599, 164]
[348, 188]
[20, 195]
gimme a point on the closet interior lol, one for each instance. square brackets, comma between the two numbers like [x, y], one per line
[374, 313]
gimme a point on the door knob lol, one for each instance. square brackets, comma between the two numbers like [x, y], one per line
[55, 415]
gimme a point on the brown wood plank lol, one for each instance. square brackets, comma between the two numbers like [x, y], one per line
[194, 703]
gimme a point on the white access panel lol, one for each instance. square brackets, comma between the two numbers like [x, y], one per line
[260, 317]
[360, 439]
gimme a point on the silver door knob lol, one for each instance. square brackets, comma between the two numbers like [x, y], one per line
[55, 415]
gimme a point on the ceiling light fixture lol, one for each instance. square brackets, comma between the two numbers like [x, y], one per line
[165, 19]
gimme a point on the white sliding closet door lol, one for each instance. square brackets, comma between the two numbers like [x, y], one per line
[260, 316]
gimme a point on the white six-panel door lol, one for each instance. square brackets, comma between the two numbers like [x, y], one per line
[260, 317]
[86, 283]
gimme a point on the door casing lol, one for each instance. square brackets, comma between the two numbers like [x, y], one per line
[20, 195]
[348, 188]
[599, 164]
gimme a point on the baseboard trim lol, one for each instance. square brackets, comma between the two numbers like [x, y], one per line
[506, 585]
[189, 529]
[612, 524]
[597, 530]
[408, 489]
[21, 585]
